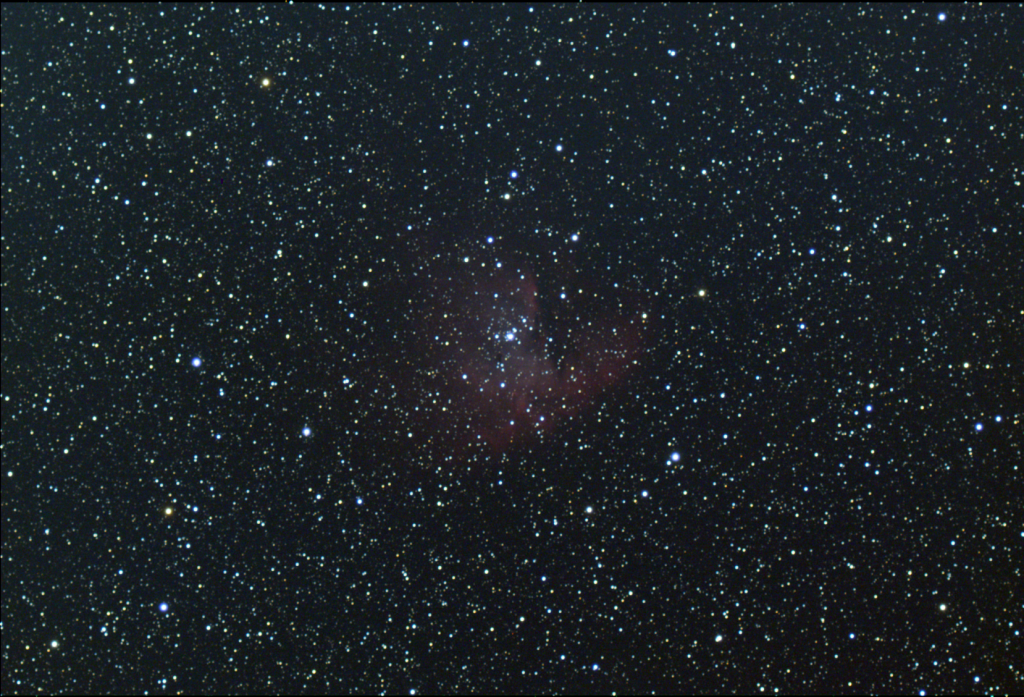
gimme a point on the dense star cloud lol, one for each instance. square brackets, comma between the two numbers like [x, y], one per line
[525, 349]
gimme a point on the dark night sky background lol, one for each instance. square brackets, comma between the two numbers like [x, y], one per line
[267, 426]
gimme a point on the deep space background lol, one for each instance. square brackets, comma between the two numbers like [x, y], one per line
[420, 349]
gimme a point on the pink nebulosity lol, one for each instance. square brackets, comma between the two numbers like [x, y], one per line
[500, 367]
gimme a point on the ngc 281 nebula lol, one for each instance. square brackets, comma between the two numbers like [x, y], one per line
[500, 360]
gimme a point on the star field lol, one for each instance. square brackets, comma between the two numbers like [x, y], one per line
[550, 349]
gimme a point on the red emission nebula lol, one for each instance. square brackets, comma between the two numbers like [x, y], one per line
[499, 361]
